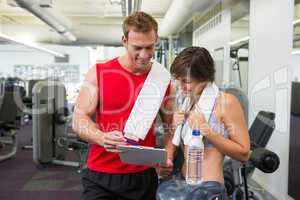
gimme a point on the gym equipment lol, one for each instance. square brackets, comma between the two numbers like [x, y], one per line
[10, 105]
[27, 100]
[237, 173]
[51, 142]
[234, 54]
[241, 96]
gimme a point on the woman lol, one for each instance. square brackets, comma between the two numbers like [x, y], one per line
[224, 130]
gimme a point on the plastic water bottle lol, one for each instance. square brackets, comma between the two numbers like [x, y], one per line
[195, 151]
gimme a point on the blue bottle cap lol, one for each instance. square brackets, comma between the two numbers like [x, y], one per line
[196, 133]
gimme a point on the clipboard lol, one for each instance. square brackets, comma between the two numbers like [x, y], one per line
[142, 155]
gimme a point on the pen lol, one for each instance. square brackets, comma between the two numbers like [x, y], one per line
[132, 142]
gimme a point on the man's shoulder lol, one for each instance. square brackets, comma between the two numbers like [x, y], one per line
[107, 63]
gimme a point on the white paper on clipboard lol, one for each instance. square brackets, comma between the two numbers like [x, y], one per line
[142, 155]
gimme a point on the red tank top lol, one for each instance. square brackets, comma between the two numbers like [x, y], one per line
[118, 90]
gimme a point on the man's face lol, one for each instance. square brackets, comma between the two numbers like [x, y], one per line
[140, 48]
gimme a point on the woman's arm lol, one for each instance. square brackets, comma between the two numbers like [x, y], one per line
[166, 114]
[237, 145]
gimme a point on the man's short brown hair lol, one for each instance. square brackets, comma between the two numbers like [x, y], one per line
[195, 62]
[139, 22]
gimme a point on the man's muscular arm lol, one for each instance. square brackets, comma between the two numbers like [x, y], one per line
[86, 105]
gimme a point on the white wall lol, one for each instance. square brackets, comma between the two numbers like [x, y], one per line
[218, 37]
[11, 55]
[112, 52]
[239, 32]
[103, 53]
[271, 33]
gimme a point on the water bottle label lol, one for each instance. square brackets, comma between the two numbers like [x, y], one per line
[194, 166]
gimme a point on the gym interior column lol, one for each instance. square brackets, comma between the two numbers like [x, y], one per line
[270, 46]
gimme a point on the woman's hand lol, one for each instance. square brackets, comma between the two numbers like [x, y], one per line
[166, 169]
[197, 121]
[178, 118]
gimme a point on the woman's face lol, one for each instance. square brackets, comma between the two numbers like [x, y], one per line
[189, 86]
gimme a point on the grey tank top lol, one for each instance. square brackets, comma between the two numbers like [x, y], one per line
[216, 126]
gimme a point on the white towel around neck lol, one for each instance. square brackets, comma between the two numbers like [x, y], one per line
[147, 103]
[205, 103]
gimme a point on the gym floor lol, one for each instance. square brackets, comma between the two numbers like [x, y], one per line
[21, 179]
[264, 194]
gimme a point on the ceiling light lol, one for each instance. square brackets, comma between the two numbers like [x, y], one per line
[243, 39]
[297, 51]
[297, 21]
[33, 46]
[69, 36]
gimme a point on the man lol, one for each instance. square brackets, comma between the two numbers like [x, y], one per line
[110, 90]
